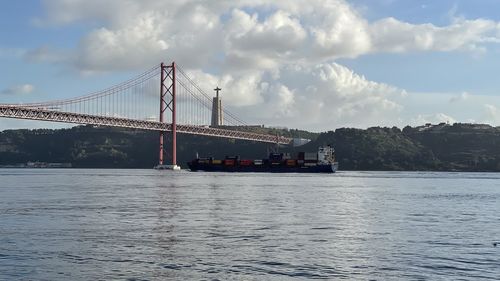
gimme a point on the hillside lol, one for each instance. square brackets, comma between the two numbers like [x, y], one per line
[458, 147]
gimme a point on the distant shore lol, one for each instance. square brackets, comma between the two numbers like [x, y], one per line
[431, 147]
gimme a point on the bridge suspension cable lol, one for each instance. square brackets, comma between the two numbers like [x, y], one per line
[192, 87]
[133, 99]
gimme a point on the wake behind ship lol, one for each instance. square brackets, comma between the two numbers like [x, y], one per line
[321, 162]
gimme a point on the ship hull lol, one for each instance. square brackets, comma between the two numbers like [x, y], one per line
[320, 168]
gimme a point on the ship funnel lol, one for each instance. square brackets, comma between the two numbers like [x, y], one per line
[299, 141]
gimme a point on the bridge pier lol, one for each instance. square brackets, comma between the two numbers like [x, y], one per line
[174, 122]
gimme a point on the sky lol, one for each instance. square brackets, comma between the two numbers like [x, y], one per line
[308, 64]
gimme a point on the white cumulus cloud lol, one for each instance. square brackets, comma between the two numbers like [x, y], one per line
[392, 35]
[492, 114]
[18, 90]
[461, 97]
[433, 119]
[247, 34]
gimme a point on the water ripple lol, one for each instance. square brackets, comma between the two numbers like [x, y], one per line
[145, 225]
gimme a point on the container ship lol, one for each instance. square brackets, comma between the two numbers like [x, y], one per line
[322, 161]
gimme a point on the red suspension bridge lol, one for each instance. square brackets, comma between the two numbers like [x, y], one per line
[183, 108]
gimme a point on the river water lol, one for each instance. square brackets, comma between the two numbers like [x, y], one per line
[160, 225]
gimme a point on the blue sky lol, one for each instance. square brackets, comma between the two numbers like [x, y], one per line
[355, 63]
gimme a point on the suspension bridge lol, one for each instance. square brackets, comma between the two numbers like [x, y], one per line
[163, 99]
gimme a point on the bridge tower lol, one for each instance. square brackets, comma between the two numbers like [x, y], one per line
[167, 101]
[217, 117]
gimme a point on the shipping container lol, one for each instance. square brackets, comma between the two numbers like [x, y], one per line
[245, 162]
[310, 164]
[310, 156]
[300, 162]
[217, 162]
[275, 156]
[229, 162]
[257, 162]
[301, 156]
[290, 162]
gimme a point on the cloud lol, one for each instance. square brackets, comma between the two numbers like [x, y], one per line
[237, 89]
[279, 33]
[462, 97]
[46, 54]
[337, 30]
[392, 35]
[492, 114]
[314, 97]
[135, 44]
[18, 90]
[244, 34]
[433, 119]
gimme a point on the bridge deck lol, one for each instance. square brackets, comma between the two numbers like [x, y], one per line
[31, 113]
